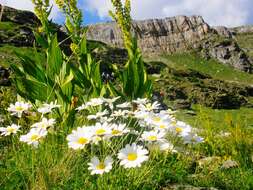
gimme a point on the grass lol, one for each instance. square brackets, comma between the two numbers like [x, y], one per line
[7, 54]
[7, 26]
[211, 67]
[54, 166]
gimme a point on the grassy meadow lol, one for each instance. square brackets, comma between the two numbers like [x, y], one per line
[64, 127]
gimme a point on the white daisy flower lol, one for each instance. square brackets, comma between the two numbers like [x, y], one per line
[192, 138]
[157, 119]
[79, 138]
[95, 102]
[82, 107]
[102, 129]
[164, 145]
[119, 113]
[141, 114]
[18, 108]
[34, 136]
[105, 119]
[149, 106]
[99, 167]
[118, 130]
[132, 156]
[92, 103]
[140, 101]
[97, 115]
[12, 129]
[110, 101]
[96, 139]
[47, 108]
[181, 129]
[124, 105]
[169, 112]
[44, 123]
[152, 136]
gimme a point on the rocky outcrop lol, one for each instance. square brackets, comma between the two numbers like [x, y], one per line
[242, 29]
[20, 27]
[171, 35]
[229, 53]
[4, 77]
[18, 16]
[177, 34]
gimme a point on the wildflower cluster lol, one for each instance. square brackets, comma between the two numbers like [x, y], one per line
[113, 133]
[38, 130]
[129, 129]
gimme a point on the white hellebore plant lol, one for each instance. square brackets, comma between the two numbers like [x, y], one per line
[18, 108]
[132, 156]
[99, 167]
[34, 136]
[12, 129]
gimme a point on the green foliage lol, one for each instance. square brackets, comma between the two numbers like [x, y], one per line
[210, 67]
[134, 79]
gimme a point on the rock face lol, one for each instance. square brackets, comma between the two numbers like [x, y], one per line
[4, 77]
[171, 35]
[177, 34]
[229, 53]
[242, 29]
[18, 16]
[20, 26]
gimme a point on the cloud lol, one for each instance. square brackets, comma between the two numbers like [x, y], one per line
[215, 12]
[28, 5]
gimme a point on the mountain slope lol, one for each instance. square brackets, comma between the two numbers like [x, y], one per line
[188, 68]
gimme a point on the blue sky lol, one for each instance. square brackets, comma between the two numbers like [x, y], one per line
[215, 12]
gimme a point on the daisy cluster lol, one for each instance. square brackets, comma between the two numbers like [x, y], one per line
[128, 130]
[38, 130]
[140, 119]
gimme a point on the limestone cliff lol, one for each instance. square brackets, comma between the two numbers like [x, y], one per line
[177, 34]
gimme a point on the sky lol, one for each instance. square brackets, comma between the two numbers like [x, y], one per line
[215, 12]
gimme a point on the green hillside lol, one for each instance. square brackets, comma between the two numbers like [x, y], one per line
[214, 99]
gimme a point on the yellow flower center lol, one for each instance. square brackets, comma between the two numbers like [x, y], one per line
[115, 132]
[149, 106]
[35, 137]
[82, 141]
[157, 119]
[19, 108]
[101, 166]
[10, 130]
[162, 126]
[100, 131]
[132, 156]
[43, 126]
[179, 130]
[173, 123]
[152, 138]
